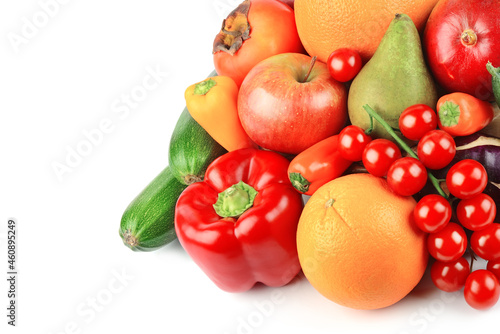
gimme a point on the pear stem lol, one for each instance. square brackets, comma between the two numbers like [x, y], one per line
[311, 65]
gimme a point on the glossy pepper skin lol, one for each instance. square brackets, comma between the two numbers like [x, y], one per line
[257, 246]
[213, 104]
[461, 114]
[317, 165]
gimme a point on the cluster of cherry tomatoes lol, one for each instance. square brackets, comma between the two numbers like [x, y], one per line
[448, 242]
[466, 180]
[382, 157]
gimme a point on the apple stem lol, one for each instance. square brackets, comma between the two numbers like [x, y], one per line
[311, 65]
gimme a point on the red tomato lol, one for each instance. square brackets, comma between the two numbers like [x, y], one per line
[449, 244]
[460, 37]
[466, 179]
[407, 176]
[486, 242]
[271, 30]
[416, 120]
[344, 64]
[352, 142]
[494, 267]
[436, 149]
[450, 276]
[378, 156]
[477, 212]
[482, 289]
[432, 213]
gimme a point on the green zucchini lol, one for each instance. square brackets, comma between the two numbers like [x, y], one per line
[148, 222]
[192, 149]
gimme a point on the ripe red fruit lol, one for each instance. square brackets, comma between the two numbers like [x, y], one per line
[450, 276]
[482, 289]
[407, 176]
[494, 267]
[416, 120]
[288, 102]
[466, 179]
[378, 156]
[477, 212]
[432, 213]
[436, 149]
[460, 37]
[344, 64]
[352, 142]
[449, 244]
[486, 242]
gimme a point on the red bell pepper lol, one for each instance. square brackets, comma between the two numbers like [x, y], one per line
[239, 225]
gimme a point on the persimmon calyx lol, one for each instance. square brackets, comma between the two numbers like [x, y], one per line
[235, 30]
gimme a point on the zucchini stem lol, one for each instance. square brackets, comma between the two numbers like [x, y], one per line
[129, 239]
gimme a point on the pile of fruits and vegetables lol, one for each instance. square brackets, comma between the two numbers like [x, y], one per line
[359, 149]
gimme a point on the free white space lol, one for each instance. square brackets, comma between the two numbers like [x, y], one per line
[66, 74]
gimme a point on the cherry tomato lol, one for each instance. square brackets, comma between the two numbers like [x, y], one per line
[466, 179]
[449, 244]
[352, 142]
[245, 38]
[482, 289]
[494, 267]
[407, 176]
[486, 242]
[344, 64]
[477, 212]
[432, 213]
[450, 276]
[416, 120]
[436, 149]
[378, 156]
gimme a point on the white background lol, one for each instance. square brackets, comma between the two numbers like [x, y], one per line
[75, 275]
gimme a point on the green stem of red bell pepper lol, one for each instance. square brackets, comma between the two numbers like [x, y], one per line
[235, 200]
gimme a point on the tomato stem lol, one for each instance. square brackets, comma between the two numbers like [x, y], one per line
[311, 65]
[390, 130]
[370, 129]
[472, 258]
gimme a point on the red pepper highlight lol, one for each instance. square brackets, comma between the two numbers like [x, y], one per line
[239, 224]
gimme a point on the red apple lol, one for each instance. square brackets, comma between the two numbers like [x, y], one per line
[285, 109]
[460, 37]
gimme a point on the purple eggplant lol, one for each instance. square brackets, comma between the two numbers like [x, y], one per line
[493, 189]
[486, 150]
[480, 147]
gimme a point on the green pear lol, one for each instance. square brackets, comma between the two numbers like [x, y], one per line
[395, 78]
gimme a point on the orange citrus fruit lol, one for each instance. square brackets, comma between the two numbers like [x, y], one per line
[358, 244]
[326, 25]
